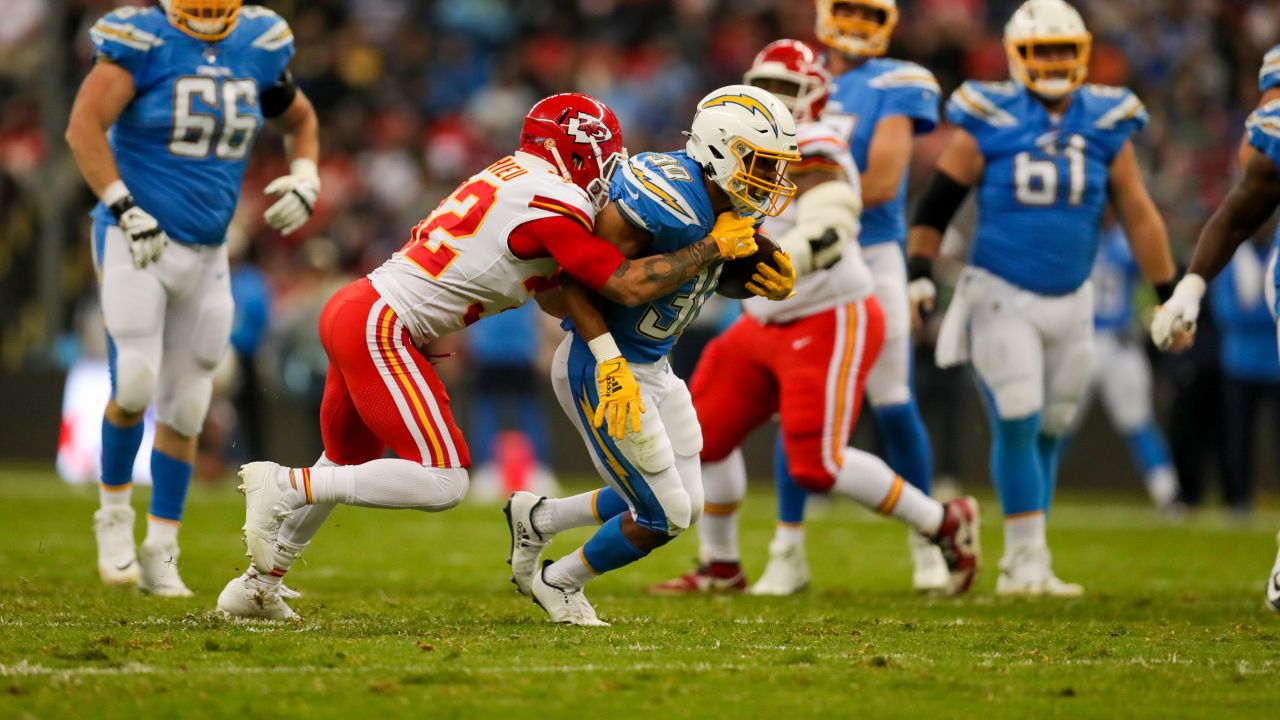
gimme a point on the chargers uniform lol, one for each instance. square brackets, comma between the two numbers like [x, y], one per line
[1269, 78]
[806, 357]
[655, 471]
[1121, 370]
[881, 88]
[1026, 294]
[181, 145]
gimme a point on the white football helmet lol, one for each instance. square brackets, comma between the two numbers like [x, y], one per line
[1042, 24]
[863, 29]
[743, 137]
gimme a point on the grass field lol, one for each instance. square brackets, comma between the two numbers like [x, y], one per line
[410, 614]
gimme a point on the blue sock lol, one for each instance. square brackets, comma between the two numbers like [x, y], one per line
[1050, 450]
[906, 443]
[609, 549]
[119, 452]
[791, 497]
[1148, 449]
[1015, 464]
[609, 504]
[170, 478]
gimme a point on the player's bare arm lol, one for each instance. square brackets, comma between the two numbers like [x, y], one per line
[1142, 222]
[106, 90]
[959, 169]
[887, 158]
[291, 111]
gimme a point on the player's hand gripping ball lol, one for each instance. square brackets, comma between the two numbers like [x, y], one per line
[737, 275]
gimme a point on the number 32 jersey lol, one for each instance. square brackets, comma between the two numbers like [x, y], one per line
[182, 141]
[1044, 188]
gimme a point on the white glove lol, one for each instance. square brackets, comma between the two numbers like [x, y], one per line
[922, 295]
[143, 233]
[1179, 314]
[298, 191]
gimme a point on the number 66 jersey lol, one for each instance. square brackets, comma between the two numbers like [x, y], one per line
[1045, 184]
[182, 142]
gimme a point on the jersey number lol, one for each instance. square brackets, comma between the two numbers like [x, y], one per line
[458, 217]
[653, 325]
[226, 115]
[1035, 182]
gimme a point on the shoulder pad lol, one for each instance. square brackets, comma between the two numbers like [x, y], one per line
[982, 102]
[818, 139]
[648, 195]
[128, 27]
[557, 196]
[1116, 106]
[905, 74]
[1263, 129]
[1269, 73]
[269, 30]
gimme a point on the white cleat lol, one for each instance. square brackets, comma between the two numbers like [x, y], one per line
[1273, 585]
[567, 607]
[930, 574]
[526, 542]
[249, 598]
[159, 571]
[289, 593]
[787, 572]
[117, 555]
[1028, 572]
[263, 512]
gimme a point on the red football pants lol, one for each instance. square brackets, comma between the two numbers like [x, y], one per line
[381, 391]
[811, 371]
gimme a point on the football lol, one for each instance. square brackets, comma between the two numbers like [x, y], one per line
[735, 274]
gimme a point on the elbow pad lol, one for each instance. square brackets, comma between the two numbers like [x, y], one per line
[827, 220]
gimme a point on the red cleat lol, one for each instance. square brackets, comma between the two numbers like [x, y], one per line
[717, 577]
[959, 540]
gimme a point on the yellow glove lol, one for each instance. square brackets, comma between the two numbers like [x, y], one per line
[619, 397]
[735, 235]
[777, 284]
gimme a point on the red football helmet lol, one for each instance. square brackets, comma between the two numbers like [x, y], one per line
[579, 135]
[789, 63]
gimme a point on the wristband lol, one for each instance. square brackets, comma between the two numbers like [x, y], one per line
[919, 267]
[604, 348]
[305, 167]
[114, 193]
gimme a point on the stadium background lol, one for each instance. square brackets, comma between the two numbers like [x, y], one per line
[414, 96]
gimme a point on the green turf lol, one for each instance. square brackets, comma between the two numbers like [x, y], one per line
[409, 614]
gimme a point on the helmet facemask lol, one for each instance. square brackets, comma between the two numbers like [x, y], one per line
[598, 187]
[1051, 67]
[857, 27]
[760, 184]
[207, 20]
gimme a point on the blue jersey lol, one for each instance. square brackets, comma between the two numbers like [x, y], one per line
[181, 144]
[1042, 193]
[1115, 275]
[1269, 73]
[663, 194]
[1262, 130]
[1248, 348]
[509, 338]
[860, 99]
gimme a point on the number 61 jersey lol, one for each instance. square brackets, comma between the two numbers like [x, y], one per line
[182, 142]
[1044, 188]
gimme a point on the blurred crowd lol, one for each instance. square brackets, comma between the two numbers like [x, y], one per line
[415, 95]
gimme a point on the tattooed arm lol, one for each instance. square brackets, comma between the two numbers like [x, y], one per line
[644, 279]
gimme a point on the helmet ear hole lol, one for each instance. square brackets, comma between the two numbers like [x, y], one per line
[716, 151]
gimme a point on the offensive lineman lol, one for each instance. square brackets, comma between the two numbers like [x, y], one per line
[161, 130]
[499, 238]
[877, 106]
[1046, 153]
[732, 169]
[808, 358]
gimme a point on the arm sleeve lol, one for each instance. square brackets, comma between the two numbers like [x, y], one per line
[584, 256]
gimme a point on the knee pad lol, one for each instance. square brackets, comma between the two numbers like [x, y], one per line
[135, 382]
[184, 407]
[678, 509]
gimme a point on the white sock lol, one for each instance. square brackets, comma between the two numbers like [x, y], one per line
[1162, 485]
[568, 572]
[386, 483]
[555, 515]
[786, 534]
[115, 495]
[724, 486]
[1022, 530]
[296, 533]
[867, 479]
[161, 532]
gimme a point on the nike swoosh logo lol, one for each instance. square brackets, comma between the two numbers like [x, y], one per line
[632, 193]
[125, 566]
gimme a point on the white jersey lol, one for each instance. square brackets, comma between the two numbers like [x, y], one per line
[849, 279]
[458, 266]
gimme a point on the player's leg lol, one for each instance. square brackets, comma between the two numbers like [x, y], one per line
[734, 390]
[1126, 393]
[400, 400]
[893, 402]
[133, 307]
